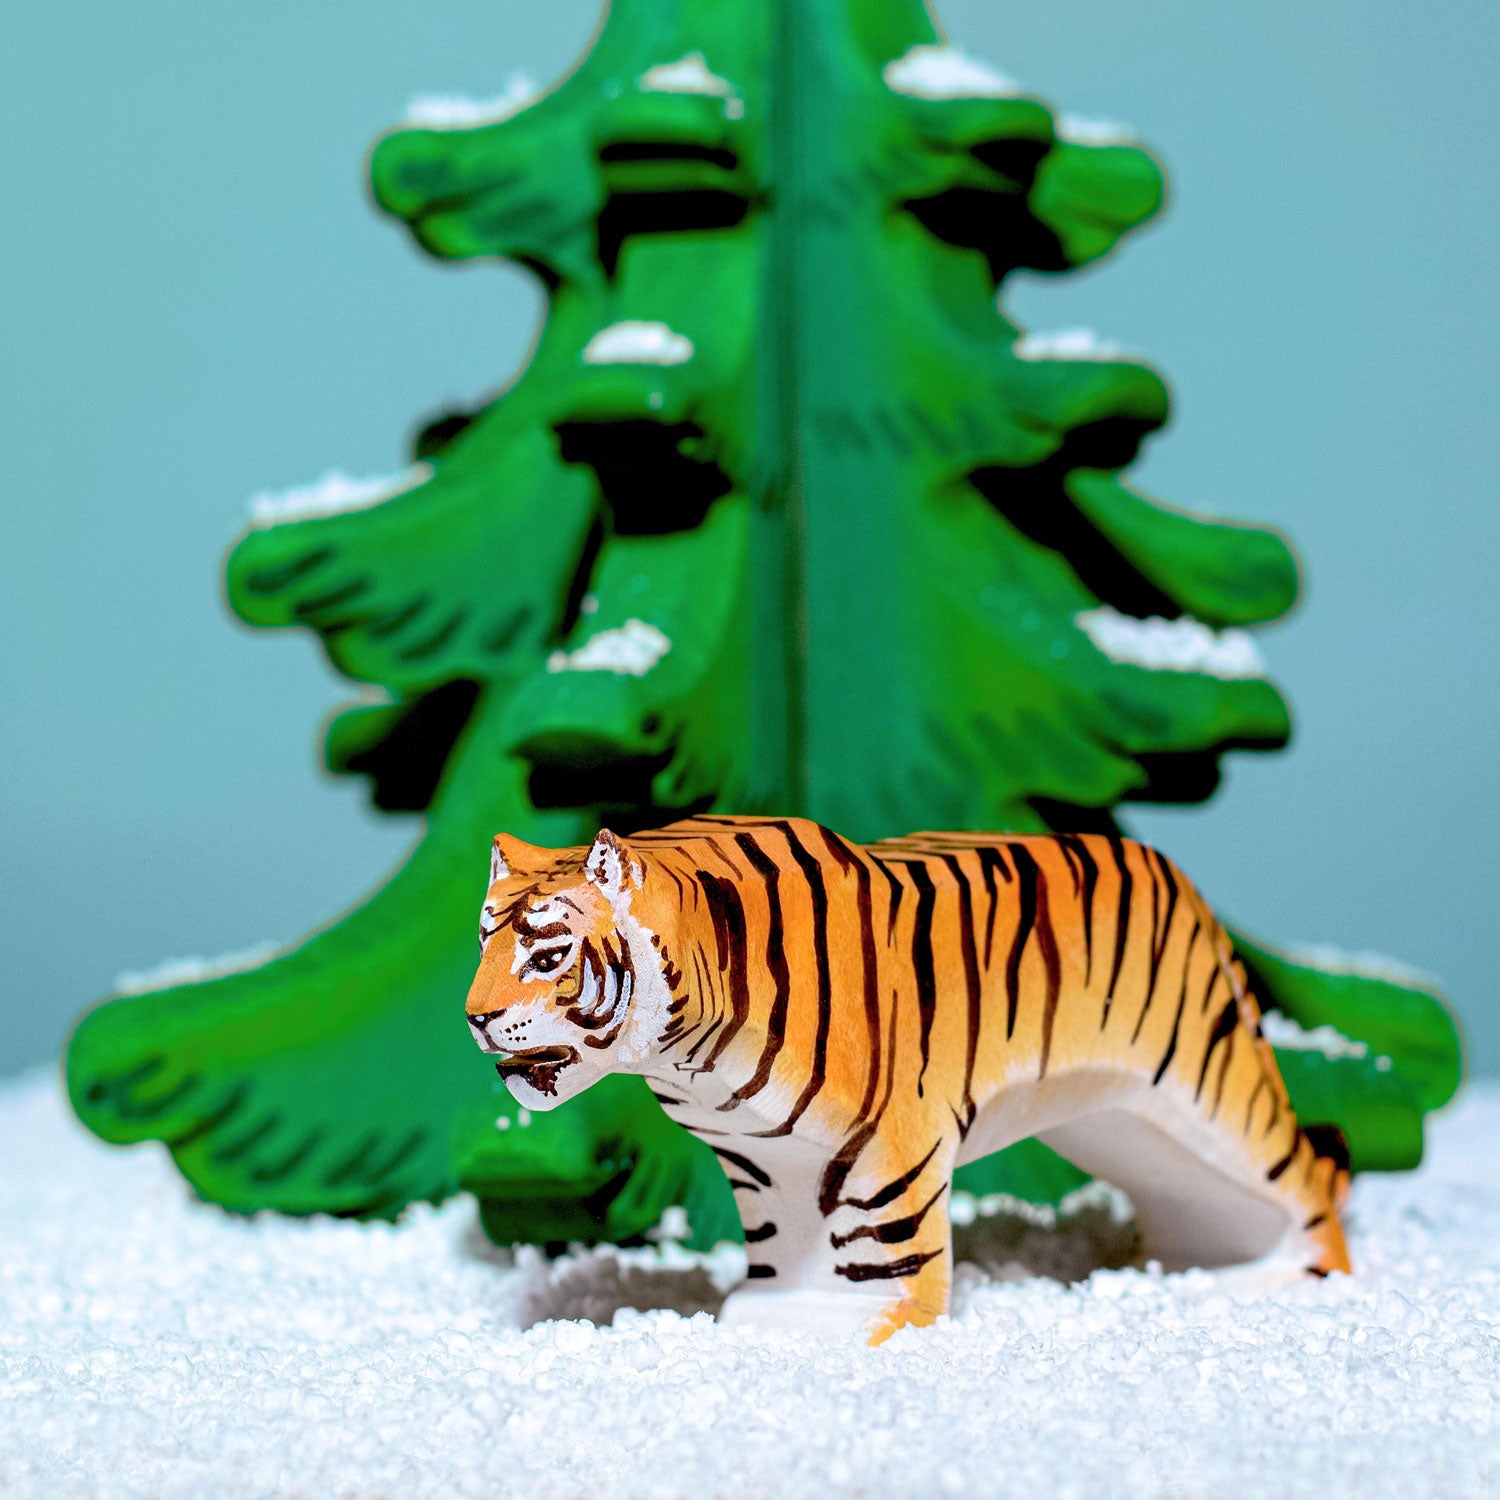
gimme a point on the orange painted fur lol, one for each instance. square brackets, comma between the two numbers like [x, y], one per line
[845, 1025]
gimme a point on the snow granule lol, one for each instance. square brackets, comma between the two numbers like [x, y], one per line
[1066, 343]
[1092, 132]
[638, 342]
[942, 72]
[150, 1345]
[1282, 1031]
[177, 971]
[1333, 960]
[630, 650]
[460, 112]
[334, 493]
[1181, 645]
[690, 74]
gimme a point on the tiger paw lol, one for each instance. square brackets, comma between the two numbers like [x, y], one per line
[907, 1313]
[843, 1316]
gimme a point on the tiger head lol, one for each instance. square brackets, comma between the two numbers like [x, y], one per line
[571, 985]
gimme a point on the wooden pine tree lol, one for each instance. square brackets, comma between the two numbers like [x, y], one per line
[783, 514]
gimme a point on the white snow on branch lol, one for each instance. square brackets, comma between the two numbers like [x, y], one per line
[1182, 645]
[631, 649]
[1282, 1031]
[930, 72]
[1332, 960]
[333, 493]
[459, 112]
[175, 971]
[1065, 343]
[1089, 132]
[690, 74]
[638, 343]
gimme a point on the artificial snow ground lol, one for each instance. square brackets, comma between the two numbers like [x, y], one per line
[151, 1346]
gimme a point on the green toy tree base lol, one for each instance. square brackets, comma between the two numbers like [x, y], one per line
[783, 515]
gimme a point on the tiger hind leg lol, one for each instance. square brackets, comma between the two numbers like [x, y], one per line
[1199, 1203]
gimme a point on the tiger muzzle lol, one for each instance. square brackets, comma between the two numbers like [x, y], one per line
[539, 1066]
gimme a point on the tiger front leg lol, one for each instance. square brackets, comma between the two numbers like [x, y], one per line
[838, 1251]
[790, 1283]
[891, 1231]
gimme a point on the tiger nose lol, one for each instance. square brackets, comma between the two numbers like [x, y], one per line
[478, 1022]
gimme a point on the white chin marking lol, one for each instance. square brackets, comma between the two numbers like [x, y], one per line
[523, 1093]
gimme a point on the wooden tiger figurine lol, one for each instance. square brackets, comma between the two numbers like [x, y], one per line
[845, 1025]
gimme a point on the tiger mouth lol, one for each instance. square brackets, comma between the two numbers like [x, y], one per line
[538, 1065]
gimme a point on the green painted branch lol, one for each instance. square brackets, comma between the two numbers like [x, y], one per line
[783, 514]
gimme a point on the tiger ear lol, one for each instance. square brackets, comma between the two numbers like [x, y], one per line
[611, 866]
[509, 855]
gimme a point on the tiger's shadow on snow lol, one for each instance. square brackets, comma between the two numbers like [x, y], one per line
[1003, 1240]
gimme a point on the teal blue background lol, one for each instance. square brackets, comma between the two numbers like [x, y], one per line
[197, 302]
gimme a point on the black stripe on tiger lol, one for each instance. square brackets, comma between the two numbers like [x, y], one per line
[1328, 1143]
[1187, 961]
[891, 1270]
[1052, 963]
[921, 957]
[1026, 873]
[1286, 1160]
[728, 913]
[836, 1173]
[766, 868]
[895, 1232]
[869, 963]
[1229, 1047]
[897, 891]
[744, 1164]
[1160, 936]
[813, 873]
[1122, 923]
[991, 860]
[895, 1187]
[712, 992]
[1223, 1030]
[1089, 872]
[972, 991]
